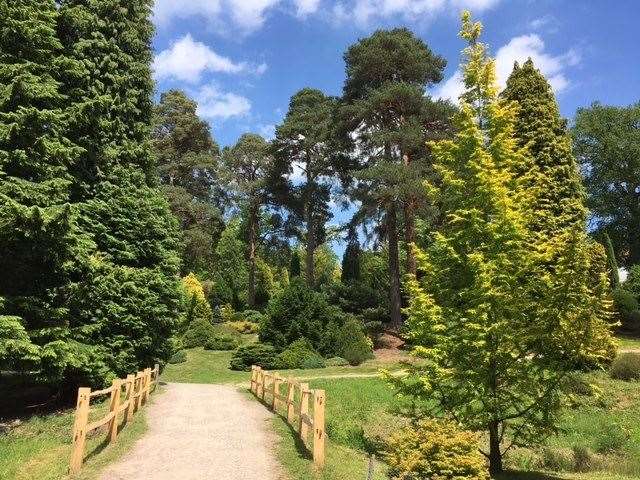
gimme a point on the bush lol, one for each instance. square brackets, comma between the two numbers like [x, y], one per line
[336, 362]
[178, 357]
[250, 316]
[221, 343]
[198, 333]
[353, 344]
[260, 354]
[299, 312]
[300, 354]
[244, 327]
[626, 304]
[626, 366]
[557, 459]
[583, 459]
[435, 449]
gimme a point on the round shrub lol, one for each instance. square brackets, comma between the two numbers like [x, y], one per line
[260, 354]
[336, 362]
[252, 316]
[353, 344]
[198, 333]
[626, 366]
[221, 343]
[300, 354]
[243, 326]
[435, 449]
[178, 357]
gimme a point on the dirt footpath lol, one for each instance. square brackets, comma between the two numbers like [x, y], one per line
[199, 432]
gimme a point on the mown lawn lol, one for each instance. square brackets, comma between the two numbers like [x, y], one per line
[40, 447]
[628, 343]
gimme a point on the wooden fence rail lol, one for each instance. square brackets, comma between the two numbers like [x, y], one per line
[137, 388]
[267, 386]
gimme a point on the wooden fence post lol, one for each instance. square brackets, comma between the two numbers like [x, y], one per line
[290, 394]
[114, 406]
[147, 391]
[131, 387]
[80, 429]
[304, 410]
[265, 376]
[276, 391]
[318, 428]
[156, 376]
[254, 374]
[140, 378]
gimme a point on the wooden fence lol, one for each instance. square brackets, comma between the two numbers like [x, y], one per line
[296, 404]
[137, 389]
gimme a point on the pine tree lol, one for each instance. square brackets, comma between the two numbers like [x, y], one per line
[611, 260]
[351, 258]
[500, 333]
[294, 266]
[41, 248]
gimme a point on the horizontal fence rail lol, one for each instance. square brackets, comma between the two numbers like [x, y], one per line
[137, 388]
[295, 400]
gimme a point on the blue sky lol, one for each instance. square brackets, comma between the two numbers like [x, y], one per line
[243, 59]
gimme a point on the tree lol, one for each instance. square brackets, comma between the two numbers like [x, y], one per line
[303, 141]
[607, 145]
[387, 118]
[351, 258]
[187, 163]
[42, 251]
[230, 267]
[249, 166]
[294, 266]
[611, 260]
[497, 332]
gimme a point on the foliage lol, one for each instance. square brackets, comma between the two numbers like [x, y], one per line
[300, 354]
[200, 331]
[611, 260]
[603, 135]
[179, 357]
[221, 343]
[626, 366]
[295, 269]
[352, 343]
[351, 259]
[186, 157]
[298, 312]
[260, 354]
[336, 362]
[199, 308]
[437, 450]
[489, 316]
[627, 307]
[230, 269]
[326, 266]
[245, 326]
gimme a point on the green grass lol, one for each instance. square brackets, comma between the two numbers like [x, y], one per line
[628, 342]
[40, 447]
[205, 366]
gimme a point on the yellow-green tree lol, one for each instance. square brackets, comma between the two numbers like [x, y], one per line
[199, 308]
[499, 330]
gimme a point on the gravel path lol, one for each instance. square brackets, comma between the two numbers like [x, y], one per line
[199, 432]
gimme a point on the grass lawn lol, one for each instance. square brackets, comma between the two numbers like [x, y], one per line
[628, 343]
[40, 447]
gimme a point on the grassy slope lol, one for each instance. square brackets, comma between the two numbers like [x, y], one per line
[41, 447]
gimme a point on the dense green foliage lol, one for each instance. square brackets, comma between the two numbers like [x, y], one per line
[352, 344]
[260, 354]
[199, 332]
[300, 354]
[626, 366]
[437, 450]
[221, 343]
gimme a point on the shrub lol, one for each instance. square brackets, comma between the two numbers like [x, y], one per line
[199, 308]
[336, 362]
[243, 327]
[583, 459]
[298, 312]
[557, 459]
[198, 333]
[435, 449]
[260, 354]
[626, 366]
[252, 316]
[178, 357]
[300, 354]
[626, 304]
[221, 342]
[353, 344]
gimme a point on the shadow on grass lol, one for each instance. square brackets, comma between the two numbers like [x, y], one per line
[514, 475]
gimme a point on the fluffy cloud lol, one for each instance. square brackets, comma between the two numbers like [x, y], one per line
[306, 7]
[519, 49]
[214, 103]
[364, 12]
[188, 59]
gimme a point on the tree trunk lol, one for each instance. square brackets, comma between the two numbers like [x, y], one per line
[311, 234]
[495, 456]
[395, 295]
[409, 227]
[253, 233]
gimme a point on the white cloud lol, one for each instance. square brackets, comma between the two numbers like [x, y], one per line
[518, 49]
[546, 22]
[306, 7]
[214, 103]
[364, 12]
[188, 59]
[267, 131]
[167, 10]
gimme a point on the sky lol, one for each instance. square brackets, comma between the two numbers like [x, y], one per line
[242, 60]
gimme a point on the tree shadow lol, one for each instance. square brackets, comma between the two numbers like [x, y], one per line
[517, 475]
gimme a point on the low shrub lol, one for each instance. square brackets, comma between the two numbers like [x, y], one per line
[252, 316]
[336, 362]
[626, 366]
[198, 333]
[178, 357]
[557, 459]
[300, 354]
[522, 458]
[244, 327]
[435, 449]
[260, 354]
[583, 459]
[353, 344]
[221, 343]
